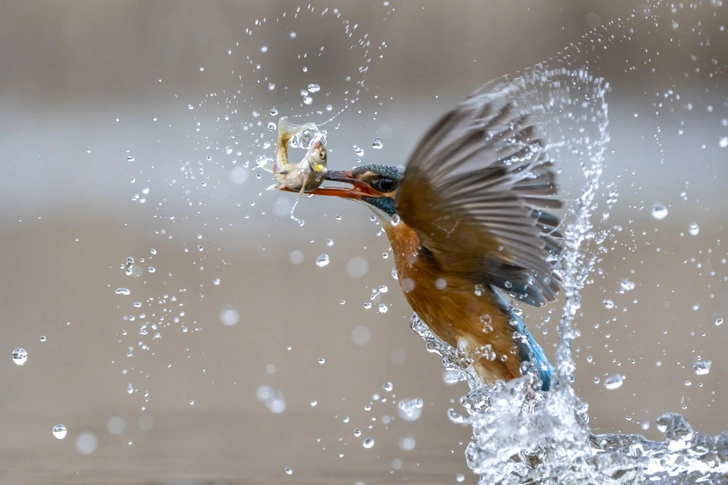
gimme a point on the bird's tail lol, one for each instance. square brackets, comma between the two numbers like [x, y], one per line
[528, 349]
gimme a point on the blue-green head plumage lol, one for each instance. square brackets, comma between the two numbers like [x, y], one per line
[384, 204]
[384, 179]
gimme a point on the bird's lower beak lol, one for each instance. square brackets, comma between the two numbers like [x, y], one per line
[356, 191]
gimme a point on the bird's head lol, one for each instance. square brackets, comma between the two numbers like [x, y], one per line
[374, 185]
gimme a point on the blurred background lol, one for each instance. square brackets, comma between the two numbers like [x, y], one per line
[174, 317]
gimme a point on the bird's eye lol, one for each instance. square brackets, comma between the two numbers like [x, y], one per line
[384, 184]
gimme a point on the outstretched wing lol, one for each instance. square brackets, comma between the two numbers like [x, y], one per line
[474, 190]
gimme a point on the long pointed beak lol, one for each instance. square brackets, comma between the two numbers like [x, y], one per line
[357, 190]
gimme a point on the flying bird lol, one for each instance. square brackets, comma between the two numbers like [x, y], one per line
[467, 219]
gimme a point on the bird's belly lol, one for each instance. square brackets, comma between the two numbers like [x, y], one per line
[450, 306]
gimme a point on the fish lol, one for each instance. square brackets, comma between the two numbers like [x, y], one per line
[304, 176]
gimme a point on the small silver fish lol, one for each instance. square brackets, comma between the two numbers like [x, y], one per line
[304, 176]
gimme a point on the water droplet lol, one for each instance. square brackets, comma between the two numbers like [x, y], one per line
[314, 403]
[216, 282]
[702, 367]
[388, 387]
[273, 112]
[367, 305]
[383, 308]
[718, 322]
[357, 267]
[359, 152]
[377, 143]
[329, 107]
[368, 443]
[190, 106]
[460, 477]
[192, 402]
[271, 86]
[59, 431]
[410, 410]
[288, 471]
[361, 335]
[229, 317]
[659, 211]
[292, 35]
[608, 304]
[273, 398]
[271, 126]
[329, 242]
[357, 432]
[394, 274]
[122, 291]
[129, 388]
[314, 88]
[116, 425]
[307, 100]
[395, 220]
[723, 142]
[20, 356]
[42, 338]
[86, 443]
[407, 443]
[296, 257]
[322, 260]
[264, 49]
[613, 382]
[693, 228]
[626, 285]
[321, 360]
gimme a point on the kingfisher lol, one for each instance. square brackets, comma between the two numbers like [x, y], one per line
[469, 218]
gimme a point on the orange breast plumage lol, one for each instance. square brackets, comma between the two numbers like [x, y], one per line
[466, 317]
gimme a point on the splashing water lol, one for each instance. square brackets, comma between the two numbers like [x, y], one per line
[521, 434]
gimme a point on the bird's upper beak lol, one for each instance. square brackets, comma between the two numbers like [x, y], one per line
[357, 190]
